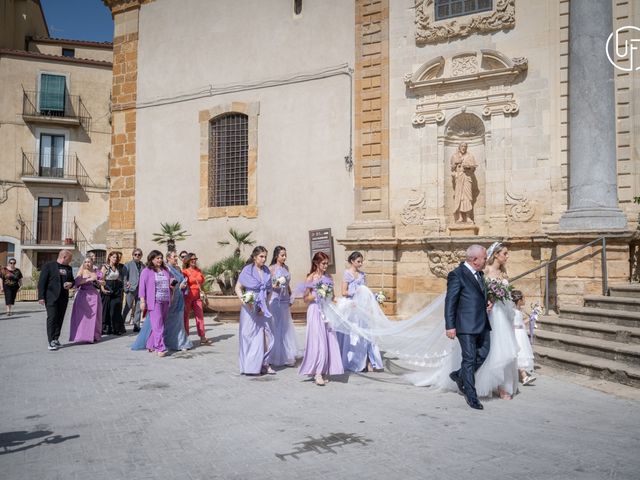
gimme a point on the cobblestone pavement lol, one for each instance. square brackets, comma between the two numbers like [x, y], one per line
[104, 412]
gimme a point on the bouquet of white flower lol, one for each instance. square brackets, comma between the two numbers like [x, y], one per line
[248, 297]
[498, 290]
[280, 281]
[381, 297]
[325, 290]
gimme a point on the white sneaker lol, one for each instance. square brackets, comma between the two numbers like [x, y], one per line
[57, 343]
[529, 379]
[52, 345]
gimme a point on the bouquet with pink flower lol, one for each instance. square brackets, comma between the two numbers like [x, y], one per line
[498, 290]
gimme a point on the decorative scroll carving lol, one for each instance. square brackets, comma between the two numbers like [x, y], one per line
[3, 193]
[441, 262]
[464, 65]
[421, 118]
[502, 17]
[521, 208]
[414, 211]
[508, 107]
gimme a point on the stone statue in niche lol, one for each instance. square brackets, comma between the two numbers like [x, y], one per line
[463, 167]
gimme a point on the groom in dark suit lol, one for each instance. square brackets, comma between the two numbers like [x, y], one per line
[466, 317]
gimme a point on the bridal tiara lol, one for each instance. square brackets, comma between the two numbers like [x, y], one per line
[495, 247]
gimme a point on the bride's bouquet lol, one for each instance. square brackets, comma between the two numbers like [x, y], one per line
[325, 290]
[248, 297]
[381, 297]
[498, 290]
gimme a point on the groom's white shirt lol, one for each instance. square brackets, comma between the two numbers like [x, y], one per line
[471, 269]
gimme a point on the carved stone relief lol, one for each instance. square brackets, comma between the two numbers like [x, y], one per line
[521, 208]
[464, 65]
[428, 30]
[414, 211]
[441, 262]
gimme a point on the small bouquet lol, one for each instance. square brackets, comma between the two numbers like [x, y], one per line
[498, 290]
[325, 290]
[381, 297]
[536, 310]
[280, 281]
[248, 297]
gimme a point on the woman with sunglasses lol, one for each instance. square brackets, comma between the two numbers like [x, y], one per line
[11, 277]
[192, 301]
[112, 293]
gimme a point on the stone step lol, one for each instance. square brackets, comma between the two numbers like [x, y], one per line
[603, 368]
[604, 331]
[628, 353]
[602, 315]
[625, 290]
[628, 304]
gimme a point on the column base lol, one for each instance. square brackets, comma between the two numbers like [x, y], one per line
[600, 218]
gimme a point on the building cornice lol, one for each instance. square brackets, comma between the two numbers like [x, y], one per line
[119, 6]
[54, 58]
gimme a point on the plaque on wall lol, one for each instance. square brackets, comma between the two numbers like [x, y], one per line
[321, 241]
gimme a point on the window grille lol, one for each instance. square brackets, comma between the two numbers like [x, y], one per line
[455, 8]
[228, 160]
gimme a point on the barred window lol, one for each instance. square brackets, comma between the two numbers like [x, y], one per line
[455, 8]
[228, 160]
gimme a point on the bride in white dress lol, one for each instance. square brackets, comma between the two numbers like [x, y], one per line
[420, 341]
[499, 372]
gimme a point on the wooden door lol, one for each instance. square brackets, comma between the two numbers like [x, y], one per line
[49, 227]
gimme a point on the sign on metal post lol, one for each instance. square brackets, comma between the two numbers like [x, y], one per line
[321, 241]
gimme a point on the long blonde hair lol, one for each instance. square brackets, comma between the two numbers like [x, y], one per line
[495, 249]
[82, 269]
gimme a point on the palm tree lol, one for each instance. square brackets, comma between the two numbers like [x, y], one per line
[240, 239]
[170, 234]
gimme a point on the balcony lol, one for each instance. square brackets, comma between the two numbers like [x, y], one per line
[64, 109]
[58, 169]
[44, 234]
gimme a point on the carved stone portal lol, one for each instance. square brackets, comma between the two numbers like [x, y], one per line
[503, 16]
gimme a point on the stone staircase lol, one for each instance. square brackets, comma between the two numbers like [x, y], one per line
[600, 339]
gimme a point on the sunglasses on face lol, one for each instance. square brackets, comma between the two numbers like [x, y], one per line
[12, 263]
[137, 255]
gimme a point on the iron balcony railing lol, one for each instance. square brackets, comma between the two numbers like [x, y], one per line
[54, 167]
[48, 232]
[53, 106]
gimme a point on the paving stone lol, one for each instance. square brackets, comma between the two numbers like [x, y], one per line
[104, 412]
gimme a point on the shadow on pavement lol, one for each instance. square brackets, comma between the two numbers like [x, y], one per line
[20, 440]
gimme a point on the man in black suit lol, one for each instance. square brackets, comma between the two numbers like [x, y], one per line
[466, 317]
[56, 278]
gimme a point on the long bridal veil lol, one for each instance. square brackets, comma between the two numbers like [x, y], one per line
[418, 343]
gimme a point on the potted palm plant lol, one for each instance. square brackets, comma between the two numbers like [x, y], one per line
[223, 275]
[169, 234]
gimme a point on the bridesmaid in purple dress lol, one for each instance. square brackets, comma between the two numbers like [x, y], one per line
[86, 313]
[322, 352]
[285, 347]
[256, 340]
[358, 354]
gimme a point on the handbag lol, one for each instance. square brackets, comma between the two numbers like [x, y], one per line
[204, 299]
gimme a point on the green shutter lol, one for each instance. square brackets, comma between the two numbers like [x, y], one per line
[52, 89]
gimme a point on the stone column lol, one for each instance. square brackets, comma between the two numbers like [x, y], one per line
[593, 196]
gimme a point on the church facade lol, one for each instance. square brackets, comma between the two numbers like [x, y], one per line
[411, 128]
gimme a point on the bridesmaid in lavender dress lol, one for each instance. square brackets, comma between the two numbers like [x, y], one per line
[358, 353]
[322, 352]
[256, 339]
[86, 313]
[285, 347]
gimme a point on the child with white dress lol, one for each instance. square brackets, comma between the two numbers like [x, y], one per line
[525, 352]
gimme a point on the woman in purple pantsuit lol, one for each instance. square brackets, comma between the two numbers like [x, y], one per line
[322, 353]
[256, 340]
[86, 313]
[154, 290]
[285, 348]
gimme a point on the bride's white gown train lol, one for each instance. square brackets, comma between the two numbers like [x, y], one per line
[420, 343]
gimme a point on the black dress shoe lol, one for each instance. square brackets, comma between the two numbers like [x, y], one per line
[474, 403]
[456, 378]
[136, 329]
